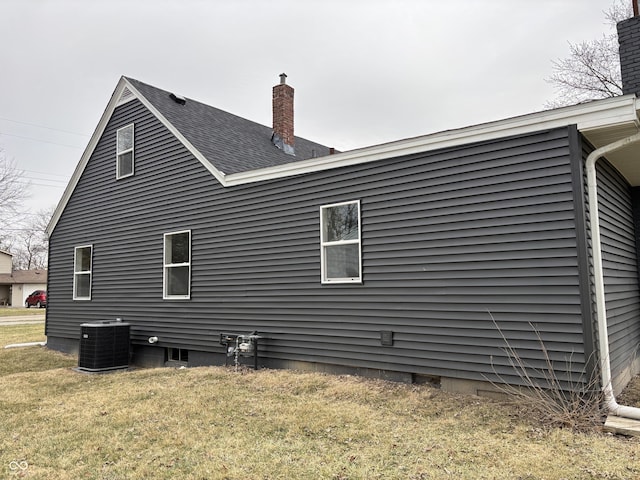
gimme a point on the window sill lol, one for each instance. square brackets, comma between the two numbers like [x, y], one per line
[357, 281]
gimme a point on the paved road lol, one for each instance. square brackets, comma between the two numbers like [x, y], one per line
[22, 320]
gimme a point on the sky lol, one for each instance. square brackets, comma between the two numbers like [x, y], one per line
[365, 72]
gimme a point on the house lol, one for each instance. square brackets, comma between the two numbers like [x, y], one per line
[393, 260]
[6, 265]
[16, 285]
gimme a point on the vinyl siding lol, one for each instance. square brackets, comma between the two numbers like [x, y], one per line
[622, 294]
[449, 239]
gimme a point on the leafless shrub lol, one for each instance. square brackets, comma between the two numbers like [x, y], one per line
[576, 403]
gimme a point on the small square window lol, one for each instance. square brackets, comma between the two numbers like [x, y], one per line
[124, 152]
[340, 251]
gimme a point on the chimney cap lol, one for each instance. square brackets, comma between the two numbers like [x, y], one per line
[283, 78]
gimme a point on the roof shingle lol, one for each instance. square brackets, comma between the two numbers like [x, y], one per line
[230, 143]
[24, 276]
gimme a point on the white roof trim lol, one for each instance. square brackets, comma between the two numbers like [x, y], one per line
[115, 101]
[590, 116]
[126, 96]
[216, 173]
[84, 159]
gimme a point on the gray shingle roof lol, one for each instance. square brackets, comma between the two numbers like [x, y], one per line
[24, 276]
[232, 144]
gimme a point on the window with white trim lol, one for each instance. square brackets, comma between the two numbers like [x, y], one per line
[340, 252]
[82, 261]
[177, 265]
[124, 152]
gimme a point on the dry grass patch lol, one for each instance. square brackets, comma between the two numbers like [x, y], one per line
[631, 395]
[215, 423]
[28, 359]
[19, 311]
[21, 333]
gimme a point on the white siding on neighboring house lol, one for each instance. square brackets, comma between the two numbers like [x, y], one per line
[5, 262]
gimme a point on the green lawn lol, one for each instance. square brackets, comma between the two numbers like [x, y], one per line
[218, 423]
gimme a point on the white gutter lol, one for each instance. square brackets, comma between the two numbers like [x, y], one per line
[598, 274]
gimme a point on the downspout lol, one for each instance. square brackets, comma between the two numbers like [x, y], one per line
[598, 274]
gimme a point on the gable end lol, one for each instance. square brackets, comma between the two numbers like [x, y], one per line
[125, 92]
[126, 96]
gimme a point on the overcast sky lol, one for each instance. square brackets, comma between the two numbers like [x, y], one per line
[364, 71]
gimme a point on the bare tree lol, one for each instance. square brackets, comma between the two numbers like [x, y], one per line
[30, 246]
[13, 190]
[592, 69]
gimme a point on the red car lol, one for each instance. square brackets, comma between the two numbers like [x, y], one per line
[37, 298]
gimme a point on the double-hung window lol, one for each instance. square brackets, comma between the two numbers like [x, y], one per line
[340, 251]
[124, 152]
[82, 261]
[177, 265]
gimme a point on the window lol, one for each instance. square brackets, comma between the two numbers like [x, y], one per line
[177, 355]
[124, 156]
[340, 243]
[177, 265]
[82, 272]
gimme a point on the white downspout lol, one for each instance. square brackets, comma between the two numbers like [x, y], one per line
[598, 274]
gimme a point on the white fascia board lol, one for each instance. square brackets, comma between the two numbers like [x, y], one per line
[194, 151]
[97, 134]
[588, 116]
[86, 155]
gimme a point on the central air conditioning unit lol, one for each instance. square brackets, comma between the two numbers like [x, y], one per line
[103, 346]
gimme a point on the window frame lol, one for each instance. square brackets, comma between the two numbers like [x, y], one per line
[166, 266]
[328, 244]
[77, 273]
[119, 153]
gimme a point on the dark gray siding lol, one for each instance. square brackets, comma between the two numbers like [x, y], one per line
[449, 239]
[620, 266]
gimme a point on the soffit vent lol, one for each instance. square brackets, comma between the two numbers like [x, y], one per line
[126, 96]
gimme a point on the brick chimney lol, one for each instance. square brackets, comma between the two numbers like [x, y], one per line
[283, 116]
[629, 39]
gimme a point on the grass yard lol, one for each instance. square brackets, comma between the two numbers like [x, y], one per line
[215, 423]
[19, 311]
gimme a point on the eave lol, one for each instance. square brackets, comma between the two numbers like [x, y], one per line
[601, 122]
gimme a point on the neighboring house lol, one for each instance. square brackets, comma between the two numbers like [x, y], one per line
[16, 285]
[6, 265]
[187, 221]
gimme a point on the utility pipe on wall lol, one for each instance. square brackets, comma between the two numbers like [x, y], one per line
[598, 274]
